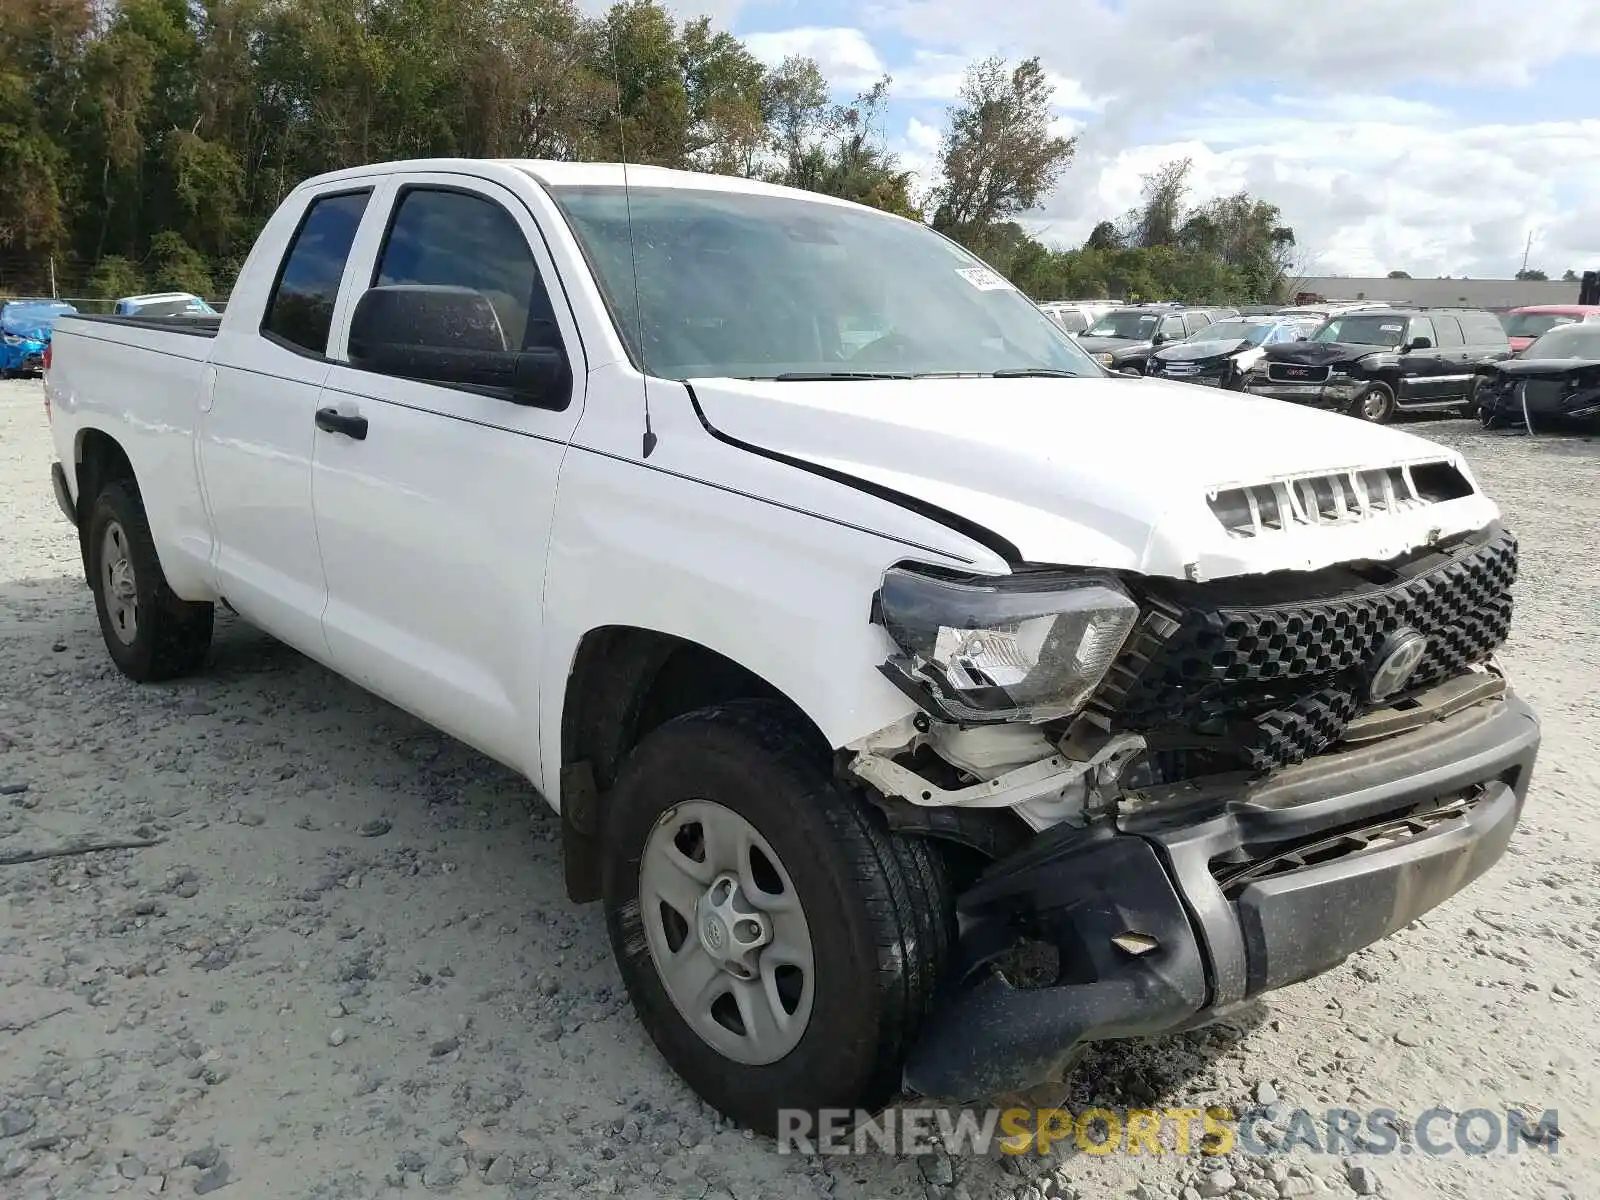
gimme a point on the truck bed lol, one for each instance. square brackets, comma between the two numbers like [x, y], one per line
[201, 325]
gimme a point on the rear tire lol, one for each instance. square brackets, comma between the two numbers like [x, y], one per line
[1375, 405]
[876, 906]
[150, 633]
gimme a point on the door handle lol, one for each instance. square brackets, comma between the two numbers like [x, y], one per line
[332, 420]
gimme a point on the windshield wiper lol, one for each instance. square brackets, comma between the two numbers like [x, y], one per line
[822, 376]
[1034, 373]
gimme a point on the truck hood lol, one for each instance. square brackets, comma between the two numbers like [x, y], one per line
[1110, 345]
[1521, 367]
[1200, 351]
[1323, 354]
[1096, 472]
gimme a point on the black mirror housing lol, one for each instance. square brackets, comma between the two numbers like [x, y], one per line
[452, 335]
[1420, 343]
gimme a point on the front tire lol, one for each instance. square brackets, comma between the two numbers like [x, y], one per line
[150, 633]
[814, 938]
[1375, 405]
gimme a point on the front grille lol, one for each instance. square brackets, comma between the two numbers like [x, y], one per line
[1269, 670]
[1296, 373]
[1184, 368]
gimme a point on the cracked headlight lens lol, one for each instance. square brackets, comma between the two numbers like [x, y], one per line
[1010, 648]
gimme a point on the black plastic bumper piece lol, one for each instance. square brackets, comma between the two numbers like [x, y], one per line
[1170, 920]
[58, 480]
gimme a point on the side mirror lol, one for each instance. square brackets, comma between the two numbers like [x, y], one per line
[1420, 343]
[452, 335]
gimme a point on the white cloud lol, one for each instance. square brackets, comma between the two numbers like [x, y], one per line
[845, 56]
[1367, 197]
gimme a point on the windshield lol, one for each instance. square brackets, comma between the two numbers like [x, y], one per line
[1254, 332]
[1533, 324]
[1135, 326]
[762, 286]
[1572, 340]
[1367, 329]
[170, 308]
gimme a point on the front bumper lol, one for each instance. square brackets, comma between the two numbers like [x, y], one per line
[1334, 393]
[1276, 884]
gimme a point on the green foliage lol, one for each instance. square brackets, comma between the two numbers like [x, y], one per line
[1532, 274]
[115, 277]
[151, 139]
[176, 266]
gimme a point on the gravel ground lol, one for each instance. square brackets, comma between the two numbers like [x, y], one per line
[346, 968]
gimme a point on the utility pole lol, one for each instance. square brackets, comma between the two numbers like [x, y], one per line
[53, 295]
[1526, 251]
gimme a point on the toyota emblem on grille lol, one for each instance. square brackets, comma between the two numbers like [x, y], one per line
[1398, 659]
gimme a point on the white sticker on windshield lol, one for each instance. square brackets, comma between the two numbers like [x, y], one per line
[1391, 328]
[986, 280]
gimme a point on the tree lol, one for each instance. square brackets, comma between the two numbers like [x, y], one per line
[1532, 274]
[1569, 276]
[1162, 210]
[998, 156]
[1399, 275]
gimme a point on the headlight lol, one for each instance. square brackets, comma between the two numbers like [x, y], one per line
[1013, 648]
[1103, 359]
[12, 341]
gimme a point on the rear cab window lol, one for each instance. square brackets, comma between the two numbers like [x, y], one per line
[299, 312]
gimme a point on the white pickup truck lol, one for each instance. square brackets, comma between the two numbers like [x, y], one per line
[922, 701]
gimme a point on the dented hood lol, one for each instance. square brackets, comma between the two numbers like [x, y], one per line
[1096, 472]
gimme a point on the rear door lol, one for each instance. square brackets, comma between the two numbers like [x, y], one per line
[1455, 376]
[257, 404]
[434, 524]
[1420, 367]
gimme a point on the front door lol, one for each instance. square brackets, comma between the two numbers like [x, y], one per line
[434, 517]
[256, 441]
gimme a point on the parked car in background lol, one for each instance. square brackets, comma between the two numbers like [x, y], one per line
[1075, 316]
[1222, 354]
[1523, 325]
[1555, 381]
[1373, 363]
[1124, 338]
[163, 304]
[25, 330]
[1323, 311]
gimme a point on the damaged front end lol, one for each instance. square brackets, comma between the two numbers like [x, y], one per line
[1184, 794]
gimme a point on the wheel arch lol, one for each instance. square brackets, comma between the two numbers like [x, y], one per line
[97, 458]
[626, 681]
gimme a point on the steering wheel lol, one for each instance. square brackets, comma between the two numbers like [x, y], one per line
[891, 348]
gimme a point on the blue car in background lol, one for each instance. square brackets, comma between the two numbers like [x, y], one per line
[25, 327]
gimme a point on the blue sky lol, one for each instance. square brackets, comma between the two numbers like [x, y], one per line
[1432, 136]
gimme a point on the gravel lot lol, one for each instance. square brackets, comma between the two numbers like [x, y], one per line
[346, 967]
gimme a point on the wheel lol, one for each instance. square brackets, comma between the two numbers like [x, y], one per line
[780, 945]
[1376, 404]
[1489, 416]
[1471, 405]
[151, 634]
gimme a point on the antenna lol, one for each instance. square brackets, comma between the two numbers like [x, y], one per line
[649, 444]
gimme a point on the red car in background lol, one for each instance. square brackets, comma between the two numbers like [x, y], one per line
[1523, 325]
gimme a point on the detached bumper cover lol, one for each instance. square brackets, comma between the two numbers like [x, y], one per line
[1276, 885]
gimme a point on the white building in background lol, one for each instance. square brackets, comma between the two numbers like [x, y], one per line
[1495, 294]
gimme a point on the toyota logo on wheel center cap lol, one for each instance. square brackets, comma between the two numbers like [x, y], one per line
[1398, 659]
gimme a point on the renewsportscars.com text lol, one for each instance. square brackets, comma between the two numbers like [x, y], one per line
[1435, 1131]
